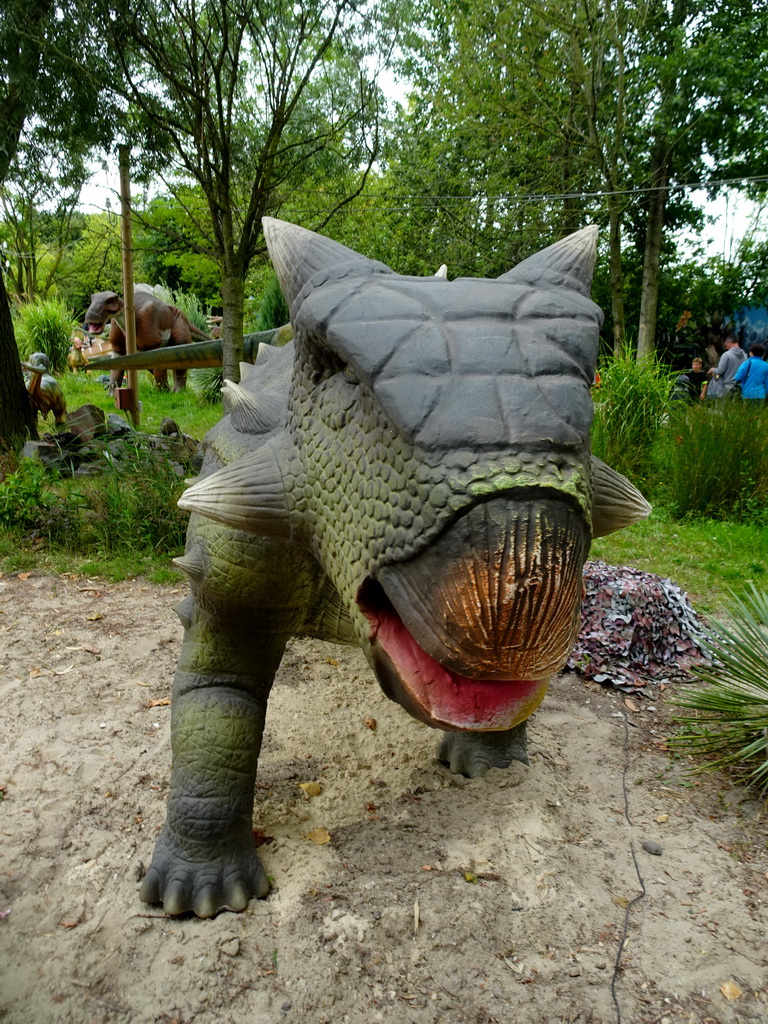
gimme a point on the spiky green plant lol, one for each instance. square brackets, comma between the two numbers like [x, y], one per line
[730, 723]
[45, 327]
[206, 382]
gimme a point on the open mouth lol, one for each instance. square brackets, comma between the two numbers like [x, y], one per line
[467, 634]
[95, 328]
[430, 691]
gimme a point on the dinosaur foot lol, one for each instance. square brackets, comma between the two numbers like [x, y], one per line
[473, 753]
[205, 886]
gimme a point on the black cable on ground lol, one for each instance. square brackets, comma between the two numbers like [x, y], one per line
[641, 894]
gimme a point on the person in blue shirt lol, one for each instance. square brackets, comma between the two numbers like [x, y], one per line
[752, 375]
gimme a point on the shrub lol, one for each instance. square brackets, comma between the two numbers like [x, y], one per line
[116, 512]
[31, 504]
[712, 460]
[630, 406]
[730, 724]
[45, 327]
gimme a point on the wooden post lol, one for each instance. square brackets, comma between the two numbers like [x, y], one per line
[129, 311]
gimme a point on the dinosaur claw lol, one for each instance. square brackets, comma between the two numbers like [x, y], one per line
[176, 897]
[203, 887]
[150, 888]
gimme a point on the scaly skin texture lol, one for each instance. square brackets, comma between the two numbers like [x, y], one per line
[411, 474]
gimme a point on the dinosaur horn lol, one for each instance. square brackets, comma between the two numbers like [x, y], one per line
[298, 254]
[616, 502]
[569, 262]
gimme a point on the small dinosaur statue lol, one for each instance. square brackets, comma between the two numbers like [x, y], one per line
[44, 390]
[411, 474]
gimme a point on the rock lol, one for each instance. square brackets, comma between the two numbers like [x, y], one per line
[168, 427]
[87, 422]
[117, 426]
[650, 847]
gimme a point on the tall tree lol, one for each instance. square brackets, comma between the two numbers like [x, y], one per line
[708, 113]
[252, 100]
[38, 202]
[555, 112]
[49, 65]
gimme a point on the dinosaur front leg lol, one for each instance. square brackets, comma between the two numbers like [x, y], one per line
[205, 859]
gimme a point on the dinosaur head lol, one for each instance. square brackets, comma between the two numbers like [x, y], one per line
[445, 426]
[104, 306]
[434, 459]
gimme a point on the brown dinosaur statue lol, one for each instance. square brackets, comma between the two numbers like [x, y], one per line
[158, 325]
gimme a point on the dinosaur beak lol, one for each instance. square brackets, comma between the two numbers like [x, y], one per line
[467, 636]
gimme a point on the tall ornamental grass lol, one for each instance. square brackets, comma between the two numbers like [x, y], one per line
[729, 723]
[189, 304]
[712, 460]
[45, 327]
[631, 402]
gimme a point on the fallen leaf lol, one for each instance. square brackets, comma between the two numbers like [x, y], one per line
[260, 839]
[661, 818]
[730, 990]
[630, 704]
[621, 901]
[94, 618]
[426, 867]
[159, 703]
[23, 575]
[370, 722]
[321, 836]
[332, 661]
[62, 671]
[470, 876]
[311, 788]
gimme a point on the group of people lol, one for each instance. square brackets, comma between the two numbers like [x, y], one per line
[735, 374]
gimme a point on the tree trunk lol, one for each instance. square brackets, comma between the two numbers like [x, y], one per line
[649, 298]
[18, 421]
[232, 297]
[617, 279]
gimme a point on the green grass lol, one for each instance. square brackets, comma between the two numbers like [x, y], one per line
[710, 559]
[194, 416]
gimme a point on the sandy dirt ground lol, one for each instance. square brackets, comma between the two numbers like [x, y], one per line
[433, 900]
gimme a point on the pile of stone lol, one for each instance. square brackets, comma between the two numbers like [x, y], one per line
[93, 441]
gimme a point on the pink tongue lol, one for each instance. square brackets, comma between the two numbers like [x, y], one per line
[449, 699]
